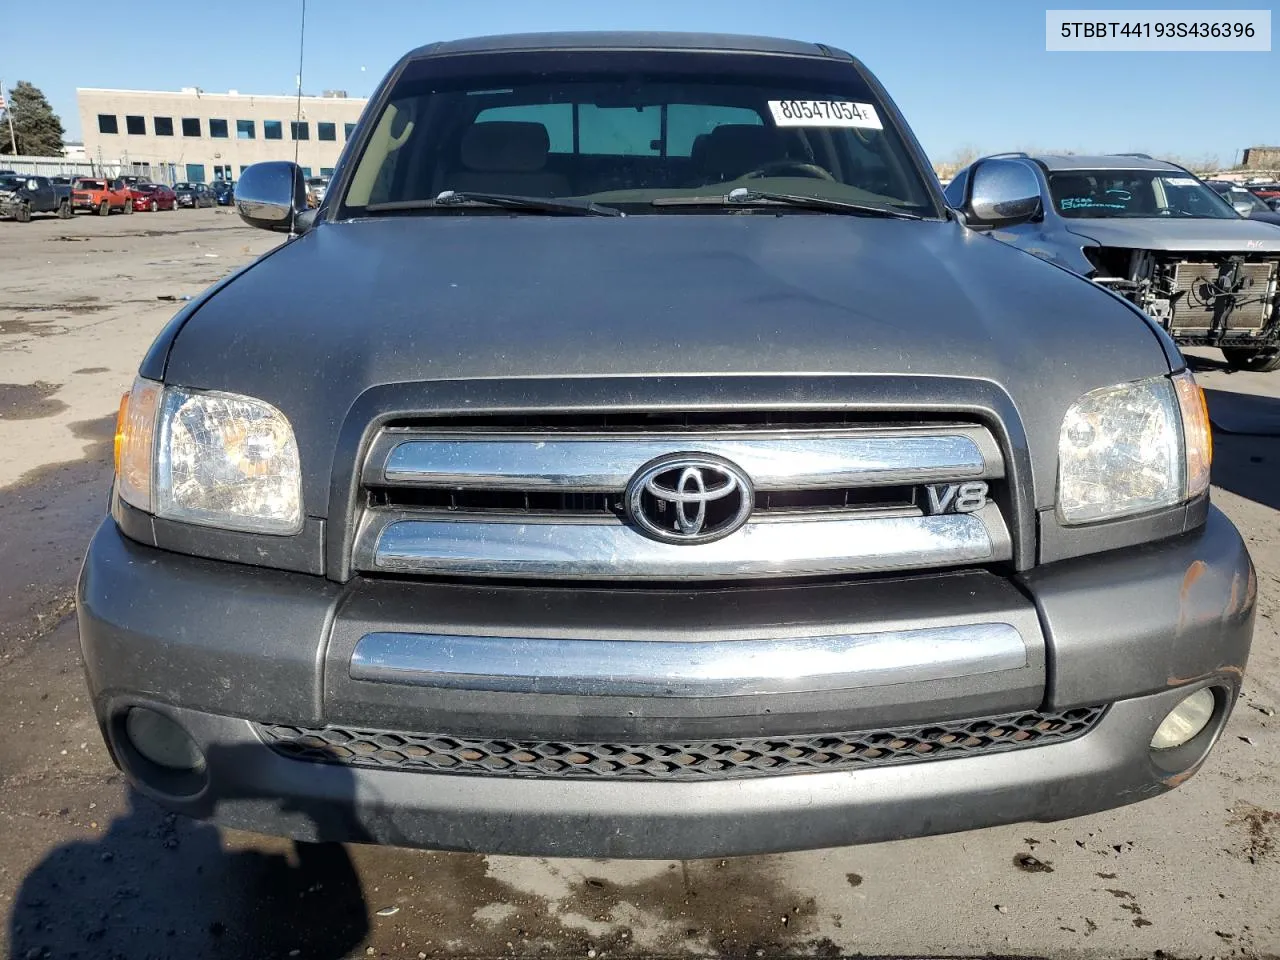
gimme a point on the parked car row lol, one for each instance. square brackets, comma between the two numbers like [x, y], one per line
[1248, 203]
[22, 196]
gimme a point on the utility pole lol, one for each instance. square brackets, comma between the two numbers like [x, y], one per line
[8, 112]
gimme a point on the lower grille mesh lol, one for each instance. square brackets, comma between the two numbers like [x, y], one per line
[693, 760]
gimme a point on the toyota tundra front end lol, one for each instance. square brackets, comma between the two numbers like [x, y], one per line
[654, 467]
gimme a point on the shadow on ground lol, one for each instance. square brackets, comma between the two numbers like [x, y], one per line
[1246, 445]
[156, 885]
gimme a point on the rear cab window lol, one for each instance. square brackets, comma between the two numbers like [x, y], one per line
[628, 127]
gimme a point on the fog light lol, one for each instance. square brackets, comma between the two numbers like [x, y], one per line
[162, 741]
[1185, 721]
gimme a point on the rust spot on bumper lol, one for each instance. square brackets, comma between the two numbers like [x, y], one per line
[1228, 669]
[1194, 573]
[1178, 779]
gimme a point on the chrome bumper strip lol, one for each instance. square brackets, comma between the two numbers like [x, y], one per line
[610, 550]
[718, 668]
[773, 463]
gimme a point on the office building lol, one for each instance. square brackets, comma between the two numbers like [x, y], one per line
[197, 136]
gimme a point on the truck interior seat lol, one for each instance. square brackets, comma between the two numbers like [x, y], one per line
[506, 156]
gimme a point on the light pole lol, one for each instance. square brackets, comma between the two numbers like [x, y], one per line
[8, 112]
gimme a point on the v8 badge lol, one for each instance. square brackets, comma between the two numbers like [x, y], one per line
[955, 497]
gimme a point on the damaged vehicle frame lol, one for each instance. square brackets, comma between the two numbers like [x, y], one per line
[784, 511]
[1149, 230]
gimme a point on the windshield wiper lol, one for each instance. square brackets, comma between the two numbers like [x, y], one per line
[741, 196]
[460, 198]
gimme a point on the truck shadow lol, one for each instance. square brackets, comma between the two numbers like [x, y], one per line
[1246, 445]
[161, 885]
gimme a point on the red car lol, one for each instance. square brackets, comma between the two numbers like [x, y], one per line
[153, 197]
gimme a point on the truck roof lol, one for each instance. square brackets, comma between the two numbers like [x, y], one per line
[627, 40]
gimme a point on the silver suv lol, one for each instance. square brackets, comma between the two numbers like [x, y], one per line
[1150, 231]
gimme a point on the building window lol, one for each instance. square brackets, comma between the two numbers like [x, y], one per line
[222, 172]
[326, 171]
[299, 131]
[195, 172]
[246, 130]
[190, 128]
[347, 130]
[271, 130]
[306, 173]
[326, 131]
[135, 126]
[218, 129]
[163, 126]
[107, 123]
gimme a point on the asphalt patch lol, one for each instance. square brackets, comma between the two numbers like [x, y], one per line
[1261, 827]
[35, 328]
[29, 401]
[1244, 413]
[69, 307]
[728, 908]
[1029, 864]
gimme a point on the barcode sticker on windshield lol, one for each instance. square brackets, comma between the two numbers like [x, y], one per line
[824, 113]
[1180, 181]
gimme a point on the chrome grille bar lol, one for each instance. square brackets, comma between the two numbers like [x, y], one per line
[595, 463]
[675, 668]
[396, 542]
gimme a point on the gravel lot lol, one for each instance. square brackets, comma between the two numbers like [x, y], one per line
[88, 869]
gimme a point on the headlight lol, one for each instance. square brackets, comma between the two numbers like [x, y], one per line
[216, 459]
[1132, 448]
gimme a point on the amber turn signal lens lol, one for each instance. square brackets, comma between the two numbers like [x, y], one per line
[122, 418]
[1196, 431]
[135, 442]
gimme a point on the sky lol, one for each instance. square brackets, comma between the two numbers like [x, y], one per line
[968, 76]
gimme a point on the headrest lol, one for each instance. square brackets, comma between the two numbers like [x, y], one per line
[736, 148]
[698, 151]
[505, 146]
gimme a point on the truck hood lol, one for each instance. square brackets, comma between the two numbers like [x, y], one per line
[1226, 236]
[354, 305]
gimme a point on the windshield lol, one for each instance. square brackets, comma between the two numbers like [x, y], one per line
[627, 128]
[10, 183]
[183, 186]
[1135, 194]
[91, 185]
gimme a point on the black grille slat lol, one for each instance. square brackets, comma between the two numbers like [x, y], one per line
[685, 760]
[610, 503]
[664, 421]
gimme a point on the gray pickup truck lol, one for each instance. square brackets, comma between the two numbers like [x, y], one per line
[654, 466]
[22, 195]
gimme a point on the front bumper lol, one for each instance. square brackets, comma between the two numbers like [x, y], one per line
[217, 646]
[8, 206]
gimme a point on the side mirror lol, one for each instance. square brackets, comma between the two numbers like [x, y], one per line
[272, 196]
[1003, 193]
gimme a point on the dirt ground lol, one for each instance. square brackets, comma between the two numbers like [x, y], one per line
[88, 869]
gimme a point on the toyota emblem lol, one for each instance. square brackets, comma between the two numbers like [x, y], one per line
[689, 498]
